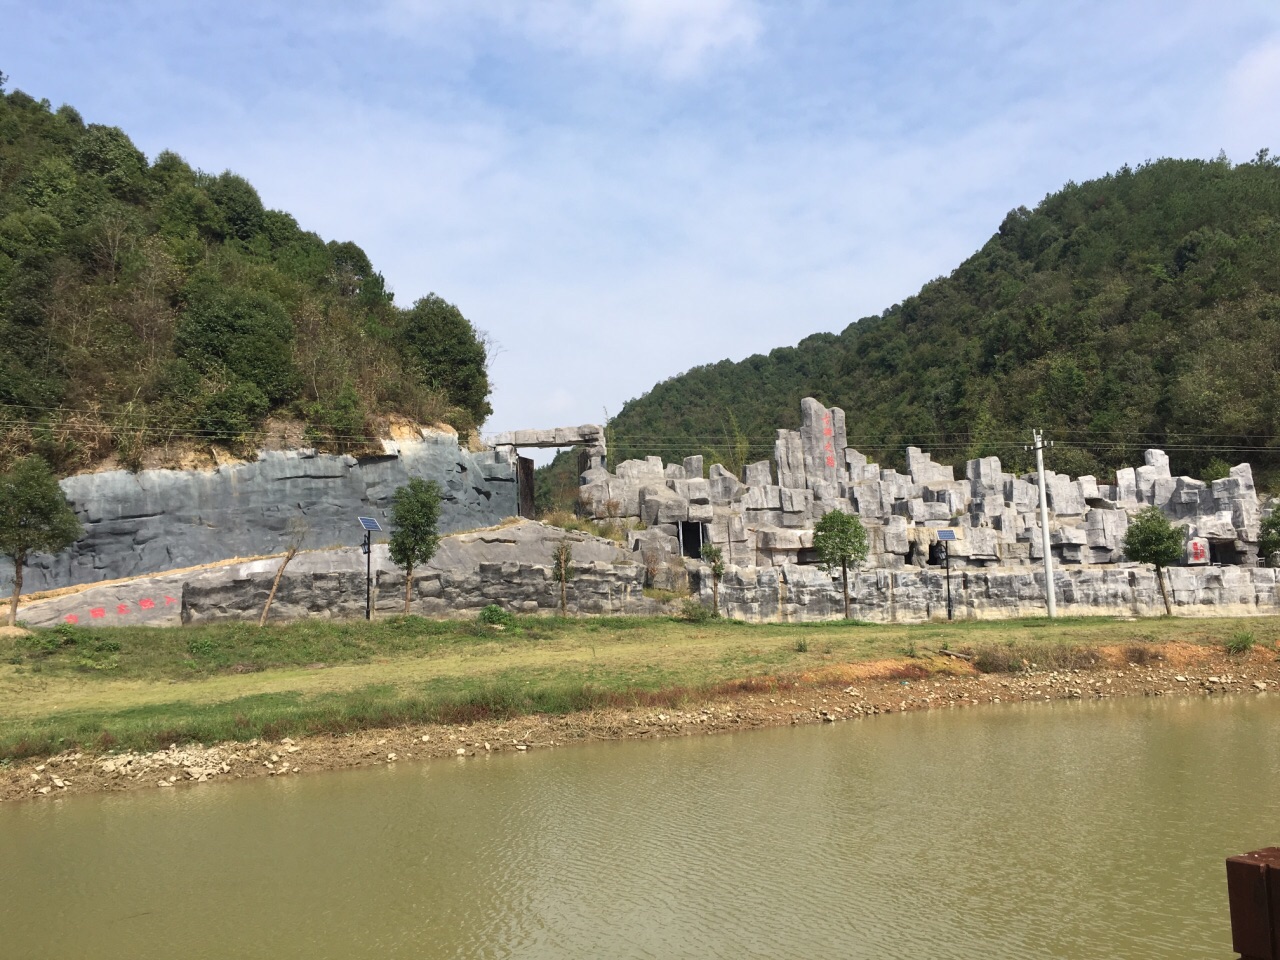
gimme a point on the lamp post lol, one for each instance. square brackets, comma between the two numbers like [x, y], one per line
[945, 537]
[370, 526]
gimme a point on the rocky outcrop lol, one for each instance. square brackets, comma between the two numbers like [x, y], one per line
[156, 520]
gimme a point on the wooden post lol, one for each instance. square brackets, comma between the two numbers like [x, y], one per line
[1253, 892]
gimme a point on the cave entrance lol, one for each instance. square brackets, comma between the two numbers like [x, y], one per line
[1224, 553]
[691, 539]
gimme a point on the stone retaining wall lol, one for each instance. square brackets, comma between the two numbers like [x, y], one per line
[801, 594]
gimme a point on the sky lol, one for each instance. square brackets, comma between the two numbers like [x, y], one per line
[615, 191]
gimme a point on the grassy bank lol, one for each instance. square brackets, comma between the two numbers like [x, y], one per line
[144, 688]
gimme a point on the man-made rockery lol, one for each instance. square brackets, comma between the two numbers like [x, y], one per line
[156, 520]
[763, 522]
[511, 566]
[765, 518]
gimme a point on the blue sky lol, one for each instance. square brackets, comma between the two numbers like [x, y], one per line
[618, 190]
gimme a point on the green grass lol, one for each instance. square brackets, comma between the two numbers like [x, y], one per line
[142, 688]
[1240, 642]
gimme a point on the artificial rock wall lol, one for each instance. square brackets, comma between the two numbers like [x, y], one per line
[156, 520]
[509, 566]
[765, 517]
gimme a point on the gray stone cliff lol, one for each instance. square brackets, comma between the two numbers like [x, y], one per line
[156, 520]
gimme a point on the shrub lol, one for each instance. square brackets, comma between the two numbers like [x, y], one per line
[246, 332]
[802, 645]
[230, 414]
[694, 611]
[495, 616]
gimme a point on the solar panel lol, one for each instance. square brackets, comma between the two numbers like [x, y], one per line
[370, 524]
[946, 534]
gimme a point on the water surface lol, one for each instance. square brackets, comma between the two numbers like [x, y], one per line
[1065, 830]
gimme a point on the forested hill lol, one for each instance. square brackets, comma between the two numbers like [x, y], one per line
[1141, 309]
[143, 302]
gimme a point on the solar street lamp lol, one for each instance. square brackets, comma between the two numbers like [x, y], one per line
[371, 526]
[945, 536]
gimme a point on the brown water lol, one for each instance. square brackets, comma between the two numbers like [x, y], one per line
[1065, 830]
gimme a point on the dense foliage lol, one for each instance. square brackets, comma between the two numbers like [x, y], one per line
[145, 301]
[1141, 309]
[1269, 535]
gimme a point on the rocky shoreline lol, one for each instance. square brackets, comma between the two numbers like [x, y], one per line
[834, 694]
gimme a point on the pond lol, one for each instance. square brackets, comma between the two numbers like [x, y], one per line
[1058, 830]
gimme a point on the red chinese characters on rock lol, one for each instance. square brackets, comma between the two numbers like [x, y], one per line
[826, 446]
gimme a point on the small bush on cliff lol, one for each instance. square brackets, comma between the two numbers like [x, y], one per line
[562, 571]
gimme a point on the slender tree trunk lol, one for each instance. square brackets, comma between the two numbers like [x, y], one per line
[844, 576]
[1168, 611]
[564, 595]
[17, 588]
[408, 587]
[715, 594]
[275, 585]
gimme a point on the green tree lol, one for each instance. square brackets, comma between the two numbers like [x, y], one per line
[415, 514]
[1151, 538]
[562, 571]
[449, 354]
[239, 204]
[840, 540]
[713, 556]
[247, 332]
[1269, 535]
[34, 518]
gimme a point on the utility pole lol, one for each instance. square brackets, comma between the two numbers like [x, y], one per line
[1049, 591]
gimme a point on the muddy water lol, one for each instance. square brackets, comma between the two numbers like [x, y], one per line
[1065, 830]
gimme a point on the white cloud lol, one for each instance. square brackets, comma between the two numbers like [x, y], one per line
[675, 38]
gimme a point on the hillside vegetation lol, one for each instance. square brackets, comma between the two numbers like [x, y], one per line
[1140, 309]
[145, 301]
